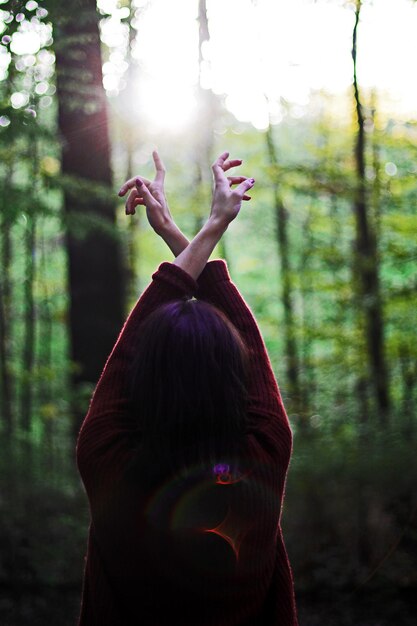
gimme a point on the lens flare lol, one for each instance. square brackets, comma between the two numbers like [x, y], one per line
[233, 529]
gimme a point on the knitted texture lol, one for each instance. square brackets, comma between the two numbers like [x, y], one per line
[199, 550]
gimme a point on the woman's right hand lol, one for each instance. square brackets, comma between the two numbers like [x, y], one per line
[150, 194]
[227, 202]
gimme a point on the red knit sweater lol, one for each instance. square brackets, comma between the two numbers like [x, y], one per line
[202, 551]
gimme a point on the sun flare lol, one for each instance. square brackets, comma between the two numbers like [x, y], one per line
[258, 55]
[166, 104]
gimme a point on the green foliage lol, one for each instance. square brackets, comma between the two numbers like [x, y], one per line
[336, 477]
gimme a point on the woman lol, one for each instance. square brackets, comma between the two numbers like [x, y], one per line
[185, 448]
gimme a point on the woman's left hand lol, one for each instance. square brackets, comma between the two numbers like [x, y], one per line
[150, 194]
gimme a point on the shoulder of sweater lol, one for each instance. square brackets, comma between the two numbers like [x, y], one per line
[215, 271]
[176, 277]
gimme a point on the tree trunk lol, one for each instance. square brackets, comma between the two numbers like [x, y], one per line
[207, 102]
[29, 320]
[366, 261]
[5, 317]
[308, 386]
[94, 257]
[281, 215]
[376, 167]
[208, 108]
[28, 355]
[45, 394]
[204, 125]
[131, 142]
[408, 369]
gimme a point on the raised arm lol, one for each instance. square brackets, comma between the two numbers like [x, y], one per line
[213, 279]
[225, 207]
[216, 287]
[151, 195]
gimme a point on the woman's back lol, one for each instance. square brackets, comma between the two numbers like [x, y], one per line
[190, 552]
[200, 544]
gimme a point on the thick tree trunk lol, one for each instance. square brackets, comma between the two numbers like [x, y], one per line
[291, 353]
[366, 261]
[95, 265]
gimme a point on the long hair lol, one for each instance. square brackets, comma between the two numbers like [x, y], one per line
[188, 387]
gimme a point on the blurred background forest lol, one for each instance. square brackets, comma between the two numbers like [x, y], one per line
[310, 96]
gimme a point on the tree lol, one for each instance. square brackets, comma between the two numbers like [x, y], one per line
[5, 314]
[29, 245]
[366, 265]
[208, 110]
[131, 140]
[281, 217]
[94, 257]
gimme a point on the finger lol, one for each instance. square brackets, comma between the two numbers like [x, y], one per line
[235, 180]
[246, 197]
[217, 167]
[143, 192]
[130, 202]
[245, 186]
[232, 163]
[159, 166]
[129, 184]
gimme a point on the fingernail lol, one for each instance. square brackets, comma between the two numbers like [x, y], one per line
[138, 182]
[120, 192]
[251, 180]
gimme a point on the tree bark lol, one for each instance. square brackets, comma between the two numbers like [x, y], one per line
[94, 257]
[366, 258]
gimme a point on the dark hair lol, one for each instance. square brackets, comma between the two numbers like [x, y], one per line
[188, 387]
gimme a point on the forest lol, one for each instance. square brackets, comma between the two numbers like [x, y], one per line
[325, 254]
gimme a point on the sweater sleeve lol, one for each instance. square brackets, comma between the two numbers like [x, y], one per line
[269, 432]
[108, 427]
[215, 286]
